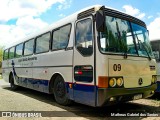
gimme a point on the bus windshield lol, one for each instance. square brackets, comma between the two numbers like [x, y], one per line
[121, 37]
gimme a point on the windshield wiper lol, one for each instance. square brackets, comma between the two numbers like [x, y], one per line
[119, 37]
[139, 41]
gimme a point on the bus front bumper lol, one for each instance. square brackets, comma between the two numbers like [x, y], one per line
[112, 96]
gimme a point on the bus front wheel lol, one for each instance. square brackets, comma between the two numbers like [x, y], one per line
[60, 92]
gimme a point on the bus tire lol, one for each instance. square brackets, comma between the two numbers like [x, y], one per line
[12, 85]
[59, 90]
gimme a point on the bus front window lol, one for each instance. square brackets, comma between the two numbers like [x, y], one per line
[142, 40]
[119, 38]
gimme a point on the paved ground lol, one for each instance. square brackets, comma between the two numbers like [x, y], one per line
[23, 100]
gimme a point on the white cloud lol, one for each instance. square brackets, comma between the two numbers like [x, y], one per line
[8, 34]
[62, 15]
[18, 8]
[29, 23]
[65, 5]
[24, 26]
[27, 13]
[154, 29]
[130, 10]
[141, 16]
[149, 17]
[133, 11]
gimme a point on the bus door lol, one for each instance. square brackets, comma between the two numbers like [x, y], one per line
[83, 68]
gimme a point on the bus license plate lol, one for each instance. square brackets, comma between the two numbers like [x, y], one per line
[137, 96]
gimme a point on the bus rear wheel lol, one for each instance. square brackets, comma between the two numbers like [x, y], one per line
[60, 92]
[12, 85]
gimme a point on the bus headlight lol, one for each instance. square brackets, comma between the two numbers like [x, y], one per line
[112, 82]
[119, 82]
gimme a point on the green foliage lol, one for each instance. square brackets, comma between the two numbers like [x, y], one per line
[1, 55]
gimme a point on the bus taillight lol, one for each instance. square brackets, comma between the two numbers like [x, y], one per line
[78, 72]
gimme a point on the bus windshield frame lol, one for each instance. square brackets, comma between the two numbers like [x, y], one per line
[124, 37]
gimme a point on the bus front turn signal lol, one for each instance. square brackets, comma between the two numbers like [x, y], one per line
[103, 82]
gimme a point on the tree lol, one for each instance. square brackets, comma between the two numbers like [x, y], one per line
[1, 55]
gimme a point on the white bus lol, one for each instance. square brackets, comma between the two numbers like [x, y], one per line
[156, 51]
[97, 56]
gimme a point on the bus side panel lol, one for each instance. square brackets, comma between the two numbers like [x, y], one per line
[47, 64]
[5, 70]
[23, 67]
[44, 66]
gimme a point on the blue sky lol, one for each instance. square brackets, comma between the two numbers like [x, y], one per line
[19, 18]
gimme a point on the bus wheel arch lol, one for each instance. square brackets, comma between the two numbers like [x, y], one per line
[51, 83]
[10, 75]
[58, 89]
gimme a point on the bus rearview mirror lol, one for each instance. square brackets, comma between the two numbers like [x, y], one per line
[100, 20]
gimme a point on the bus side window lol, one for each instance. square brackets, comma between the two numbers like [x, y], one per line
[28, 47]
[42, 43]
[11, 52]
[5, 55]
[84, 37]
[19, 50]
[61, 37]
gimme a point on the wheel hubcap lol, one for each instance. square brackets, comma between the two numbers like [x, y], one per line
[60, 89]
